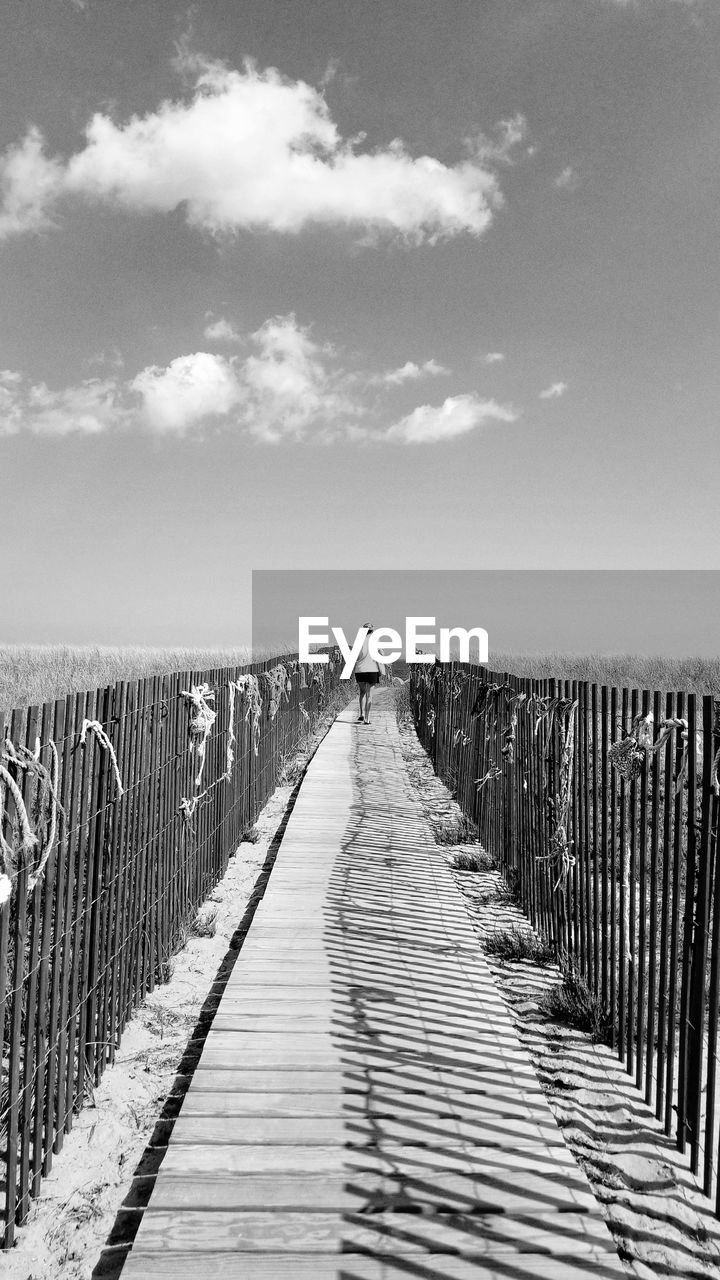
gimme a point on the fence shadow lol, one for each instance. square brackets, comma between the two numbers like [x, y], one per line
[452, 1154]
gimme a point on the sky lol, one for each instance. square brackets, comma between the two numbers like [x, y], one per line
[338, 286]
[643, 611]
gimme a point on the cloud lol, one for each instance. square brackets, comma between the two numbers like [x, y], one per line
[285, 389]
[456, 416]
[29, 183]
[253, 149]
[287, 386]
[494, 357]
[190, 390]
[91, 407]
[553, 391]
[291, 387]
[221, 330]
[567, 180]
[410, 372]
[509, 134]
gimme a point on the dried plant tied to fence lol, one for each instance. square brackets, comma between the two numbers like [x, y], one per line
[48, 805]
[492, 774]
[459, 680]
[279, 685]
[248, 686]
[202, 719]
[487, 693]
[23, 840]
[562, 716]
[510, 735]
[45, 809]
[629, 754]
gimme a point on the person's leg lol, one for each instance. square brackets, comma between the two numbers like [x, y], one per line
[368, 701]
[362, 691]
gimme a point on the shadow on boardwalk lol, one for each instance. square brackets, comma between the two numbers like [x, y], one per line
[363, 1107]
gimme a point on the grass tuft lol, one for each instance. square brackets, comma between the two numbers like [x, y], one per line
[472, 860]
[519, 943]
[250, 835]
[573, 1003]
[205, 922]
[454, 829]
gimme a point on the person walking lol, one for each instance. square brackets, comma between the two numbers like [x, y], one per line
[367, 672]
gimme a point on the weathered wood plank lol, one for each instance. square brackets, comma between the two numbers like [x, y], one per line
[386, 1102]
[391, 1234]
[485, 1190]
[391, 1159]
[524, 1266]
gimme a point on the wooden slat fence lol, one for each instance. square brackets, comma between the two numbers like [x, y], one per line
[84, 937]
[606, 821]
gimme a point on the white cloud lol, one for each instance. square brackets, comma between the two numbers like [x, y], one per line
[291, 387]
[456, 416]
[254, 149]
[567, 180]
[221, 330]
[553, 391]
[286, 388]
[494, 357]
[91, 407]
[189, 391]
[410, 372]
[509, 134]
[29, 182]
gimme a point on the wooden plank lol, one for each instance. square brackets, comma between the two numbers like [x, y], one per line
[131, 857]
[486, 1190]
[685, 1132]
[77, 1010]
[13, 1185]
[109, 932]
[675, 969]
[182, 1265]
[476, 1236]
[64, 731]
[393, 1159]
[5, 996]
[30, 982]
[73, 900]
[388, 1103]
[52, 722]
[362, 1131]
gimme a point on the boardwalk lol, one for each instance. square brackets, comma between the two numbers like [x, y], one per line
[363, 1108]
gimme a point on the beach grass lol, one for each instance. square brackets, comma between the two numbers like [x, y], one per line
[623, 670]
[33, 674]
